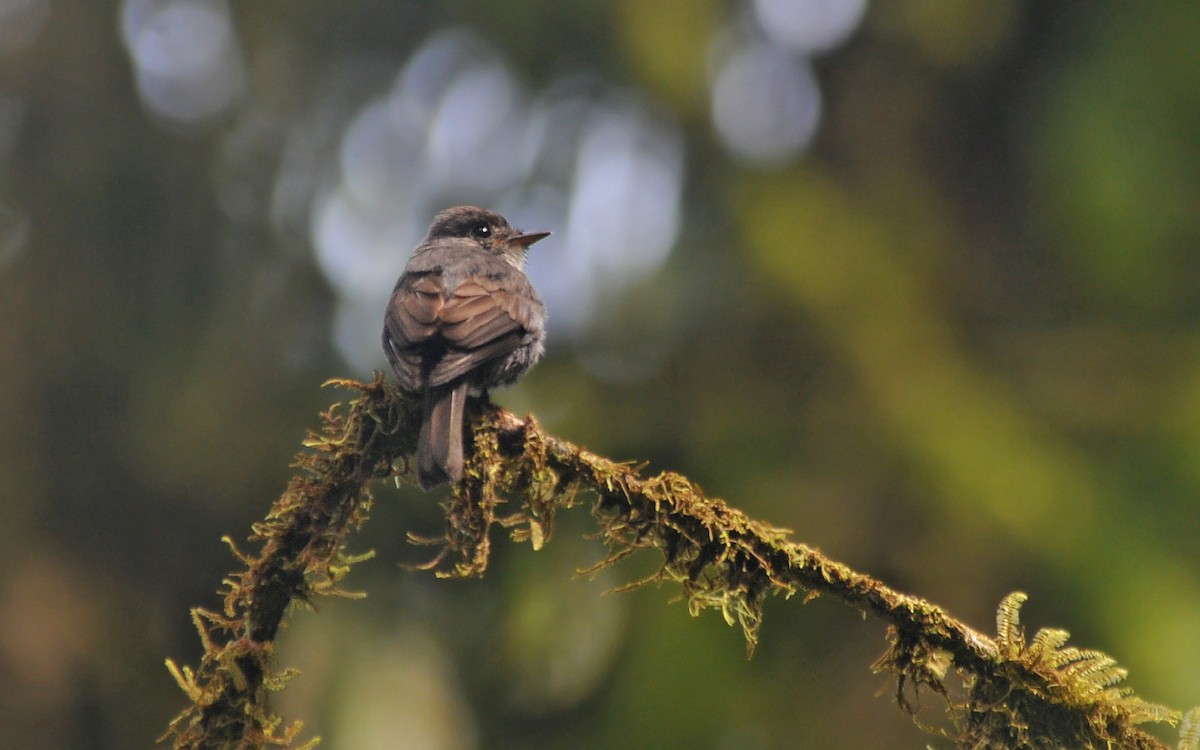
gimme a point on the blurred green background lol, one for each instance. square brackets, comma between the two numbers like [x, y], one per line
[915, 279]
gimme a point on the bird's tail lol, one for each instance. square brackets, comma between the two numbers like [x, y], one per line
[440, 444]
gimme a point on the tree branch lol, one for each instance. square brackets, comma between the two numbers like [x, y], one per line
[1037, 694]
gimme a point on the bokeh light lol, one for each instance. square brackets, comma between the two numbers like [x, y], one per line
[186, 57]
[599, 167]
[765, 100]
[809, 26]
[766, 103]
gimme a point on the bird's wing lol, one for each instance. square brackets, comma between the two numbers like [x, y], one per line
[412, 320]
[431, 339]
[481, 321]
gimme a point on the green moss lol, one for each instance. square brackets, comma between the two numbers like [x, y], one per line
[1041, 694]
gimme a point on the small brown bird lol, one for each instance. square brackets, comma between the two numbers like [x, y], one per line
[463, 317]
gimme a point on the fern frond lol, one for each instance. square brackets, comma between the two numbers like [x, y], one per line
[1010, 638]
[1189, 730]
[1045, 641]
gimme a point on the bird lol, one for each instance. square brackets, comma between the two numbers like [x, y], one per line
[463, 318]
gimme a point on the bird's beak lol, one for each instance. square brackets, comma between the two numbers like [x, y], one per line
[525, 239]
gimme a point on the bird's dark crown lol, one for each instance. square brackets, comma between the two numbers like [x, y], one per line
[471, 222]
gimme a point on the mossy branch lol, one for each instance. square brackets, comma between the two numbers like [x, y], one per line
[1017, 695]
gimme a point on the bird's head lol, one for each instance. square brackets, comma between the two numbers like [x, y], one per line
[488, 229]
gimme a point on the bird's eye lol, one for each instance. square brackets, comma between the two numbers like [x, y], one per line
[481, 231]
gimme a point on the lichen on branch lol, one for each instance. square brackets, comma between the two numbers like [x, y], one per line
[1017, 695]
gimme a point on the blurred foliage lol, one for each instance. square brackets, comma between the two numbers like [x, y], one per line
[956, 343]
